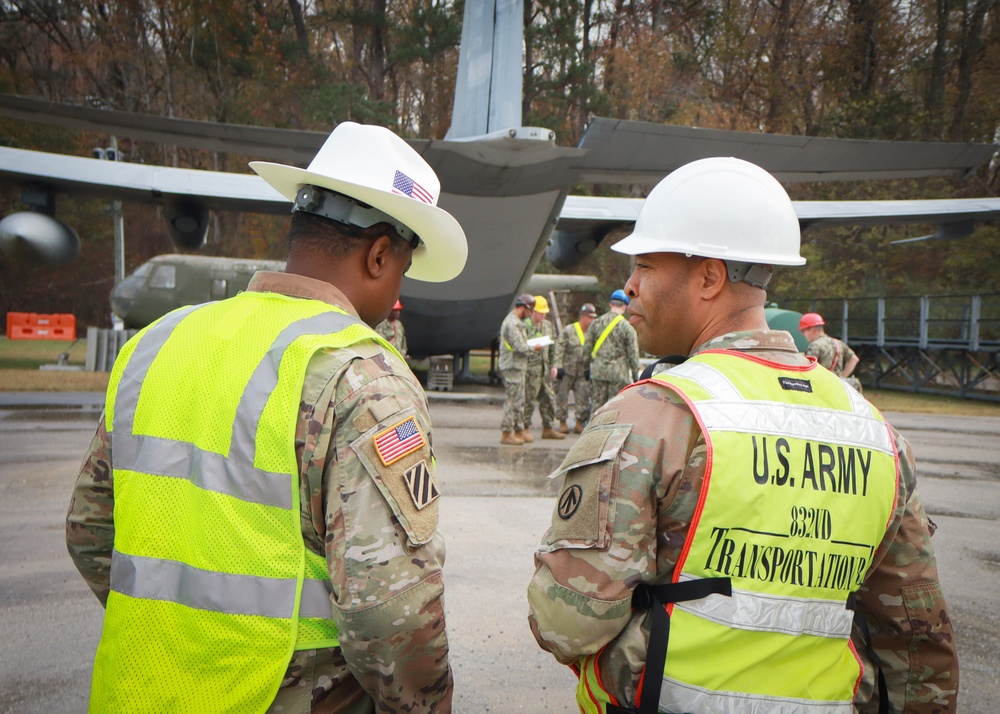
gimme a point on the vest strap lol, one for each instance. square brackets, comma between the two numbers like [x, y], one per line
[657, 597]
[862, 624]
[604, 335]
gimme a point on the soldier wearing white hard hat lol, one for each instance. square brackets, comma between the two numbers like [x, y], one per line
[739, 531]
[270, 441]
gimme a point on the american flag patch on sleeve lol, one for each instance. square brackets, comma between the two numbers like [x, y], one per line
[397, 441]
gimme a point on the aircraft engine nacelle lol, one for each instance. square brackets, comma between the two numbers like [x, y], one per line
[38, 239]
[568, 246]
[187, 223]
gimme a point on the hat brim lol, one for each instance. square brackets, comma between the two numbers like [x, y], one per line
[636, 244]
[445, 249]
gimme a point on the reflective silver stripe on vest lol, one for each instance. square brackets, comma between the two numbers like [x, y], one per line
[731, 412]
[708, 378]
[747, 610]
[682, 697]
[315, 600]
[156, 579]
[234, 475]
[205, 469]
[138, 365]
[798, 422]
[265, 378]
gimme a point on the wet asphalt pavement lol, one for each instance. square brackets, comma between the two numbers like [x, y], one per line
[497, 503]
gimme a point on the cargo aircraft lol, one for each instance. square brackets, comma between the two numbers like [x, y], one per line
[507, 184]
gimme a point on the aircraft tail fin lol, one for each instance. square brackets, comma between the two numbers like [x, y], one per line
[488, 89]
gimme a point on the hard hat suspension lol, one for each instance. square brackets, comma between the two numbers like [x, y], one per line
[343, 209]
[754, 274]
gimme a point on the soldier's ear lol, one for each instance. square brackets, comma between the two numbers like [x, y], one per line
[712, 276]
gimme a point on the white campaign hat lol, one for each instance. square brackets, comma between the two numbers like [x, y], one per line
[374, 166]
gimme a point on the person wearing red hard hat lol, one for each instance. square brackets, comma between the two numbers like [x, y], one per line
[740, 531]
[391, 328]
[252, 453]
[830, 352]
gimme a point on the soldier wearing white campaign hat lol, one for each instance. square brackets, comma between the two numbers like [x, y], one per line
[282, 414]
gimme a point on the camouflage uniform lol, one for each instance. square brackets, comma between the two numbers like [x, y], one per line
[393, 653]
[394, 334]
[538, 385]
[513, 364]
[639, 499]
[831, 353]
[617, 362]
[569, 357]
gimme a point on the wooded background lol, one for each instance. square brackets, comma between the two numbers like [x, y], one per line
[911, 70]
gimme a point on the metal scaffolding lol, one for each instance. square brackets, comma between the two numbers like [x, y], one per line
[939, 344]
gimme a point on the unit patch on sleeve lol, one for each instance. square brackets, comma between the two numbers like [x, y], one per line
[420, 482]
[398, 440]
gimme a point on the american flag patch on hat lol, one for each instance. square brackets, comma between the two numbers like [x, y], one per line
[397, 441]
[403, 184]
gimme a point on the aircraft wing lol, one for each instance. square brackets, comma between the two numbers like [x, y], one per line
[619, 151]
[139, 182]
[291, 145]
[582, 210]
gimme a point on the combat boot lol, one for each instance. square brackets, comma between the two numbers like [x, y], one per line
[578, 429]
[511, 439]
[563, 427]
[551, 433]
[525, 436]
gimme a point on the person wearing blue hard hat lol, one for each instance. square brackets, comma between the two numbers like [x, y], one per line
[619, 296]
[611, 351]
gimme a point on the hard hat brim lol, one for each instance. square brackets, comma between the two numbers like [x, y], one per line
[445, 250]
[635, 244]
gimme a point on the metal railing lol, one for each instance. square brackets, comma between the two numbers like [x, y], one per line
[945, 344]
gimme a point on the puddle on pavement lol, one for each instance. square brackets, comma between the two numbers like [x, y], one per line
[499, 471]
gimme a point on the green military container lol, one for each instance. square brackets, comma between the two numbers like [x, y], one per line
[787, 320]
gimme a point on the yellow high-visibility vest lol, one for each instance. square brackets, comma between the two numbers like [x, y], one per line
[799, 488]
[212, 587]
[579, 333]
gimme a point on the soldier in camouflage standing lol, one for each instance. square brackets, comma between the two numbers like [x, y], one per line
[740, 532]
[830, 352]
[258, 509]
[539, 384]
[611, 353]
[391, 328]
[513, 363]
[570, 371]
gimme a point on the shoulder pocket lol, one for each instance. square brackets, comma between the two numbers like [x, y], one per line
[398, 457]
[585, 507]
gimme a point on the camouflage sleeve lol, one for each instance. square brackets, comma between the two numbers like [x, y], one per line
[560, 349]
[516, 335]
[90, 526]
[589, 340]
[377, 525]
[619, 489]
[632, 349]
[403, 348]
[550, 352]
[906, 611]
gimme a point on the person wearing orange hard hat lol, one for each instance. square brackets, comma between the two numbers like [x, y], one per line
[391, 328]
[830, 352]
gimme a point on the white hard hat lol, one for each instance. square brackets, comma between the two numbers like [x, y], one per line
[374, 166]
[718, 208]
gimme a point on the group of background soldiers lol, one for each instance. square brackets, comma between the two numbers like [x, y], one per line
[594, 358]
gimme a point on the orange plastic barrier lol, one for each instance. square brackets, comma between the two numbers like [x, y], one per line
[34, 326]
